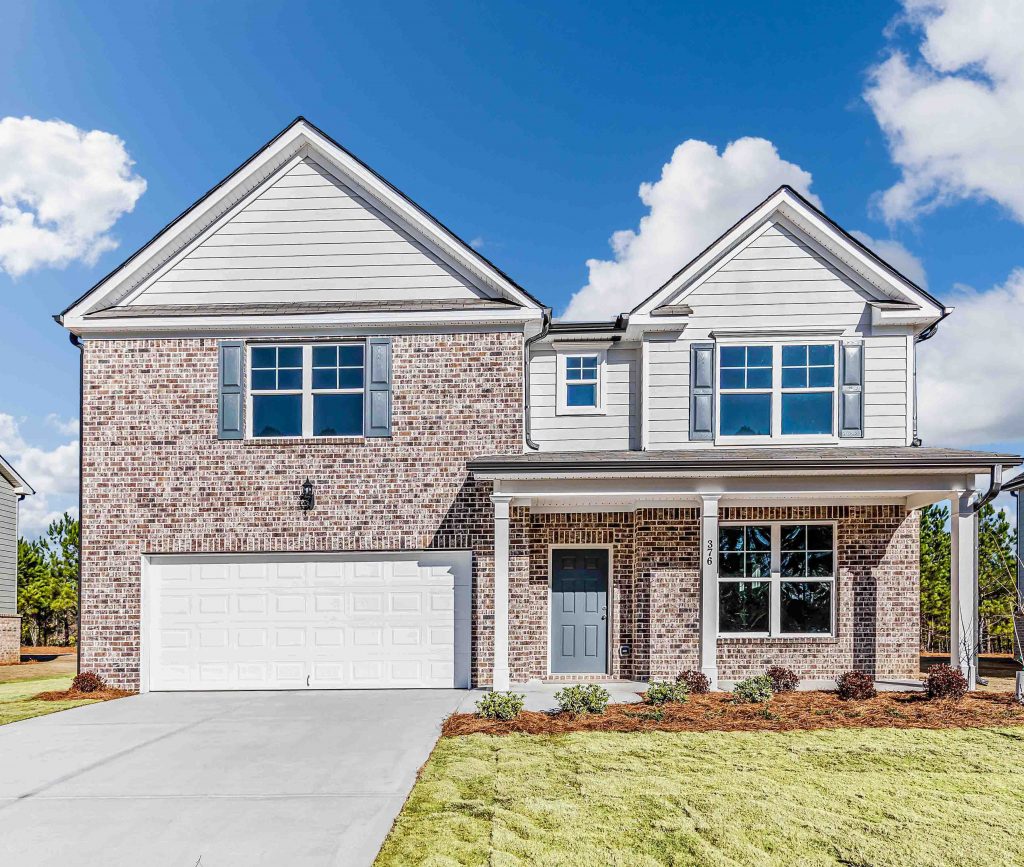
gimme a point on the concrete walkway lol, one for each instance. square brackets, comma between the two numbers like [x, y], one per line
[215, 779]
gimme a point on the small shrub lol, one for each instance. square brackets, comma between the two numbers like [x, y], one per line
[783, 679]
[87, 681]
[696, 682]
[946, 682]
[666, 691]
[500, 705]
[582, 699]
[855, 685]
[753, 690]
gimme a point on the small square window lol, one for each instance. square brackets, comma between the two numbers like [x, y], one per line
[581, 385]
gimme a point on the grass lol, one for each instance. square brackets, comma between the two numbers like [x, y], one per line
[17, 698]
[878, 797]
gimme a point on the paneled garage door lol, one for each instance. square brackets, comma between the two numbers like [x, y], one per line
[307, 622]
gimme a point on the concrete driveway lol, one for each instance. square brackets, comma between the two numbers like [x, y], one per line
[284, 778]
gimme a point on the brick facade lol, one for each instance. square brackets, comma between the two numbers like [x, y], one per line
[655, 593]
[155, 478]
[10, 638]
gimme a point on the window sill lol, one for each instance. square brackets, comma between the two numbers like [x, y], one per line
[816, 638]
[581, 410]
[298, 441]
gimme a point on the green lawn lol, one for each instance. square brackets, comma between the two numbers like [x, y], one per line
[16, 698]
[859, 797]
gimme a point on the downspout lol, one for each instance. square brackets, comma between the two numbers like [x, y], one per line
[994, 487]
[545, 326]
[81, 440]
[927, 334]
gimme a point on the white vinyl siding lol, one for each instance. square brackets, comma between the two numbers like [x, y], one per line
[668, 393]
[615, 428]
[306, 237]
[8, 548]
[775, 281]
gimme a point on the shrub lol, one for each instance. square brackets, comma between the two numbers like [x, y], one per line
[500, 705]
[666, 691]
[697, 683]
[783, 679]
[855, 685]
[946, 682]
[87, 681]
[582, 699]
[753, 690]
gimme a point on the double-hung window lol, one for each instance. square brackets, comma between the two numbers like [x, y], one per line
[776, 579]
[777, 391]
[307, 391]
[580, 389]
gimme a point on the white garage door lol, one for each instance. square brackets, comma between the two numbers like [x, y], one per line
[307, 622]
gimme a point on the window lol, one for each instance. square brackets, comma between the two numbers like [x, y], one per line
[776, 579]
[777, 390]
[580, 389]
[306, 390]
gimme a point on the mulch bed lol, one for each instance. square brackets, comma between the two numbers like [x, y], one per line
[75, 695]
[785, 712]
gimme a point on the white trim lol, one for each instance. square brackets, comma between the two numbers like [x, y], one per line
[775, 579]
[17, 483]
[609, 595]
[562, 354]
[500, 677]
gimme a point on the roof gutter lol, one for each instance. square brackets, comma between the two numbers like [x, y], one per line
[994, 487]
[527, 426]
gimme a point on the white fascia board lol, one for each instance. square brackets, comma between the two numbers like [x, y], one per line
[20, 486]
[298, 141]
[856, 263]
[162, 326]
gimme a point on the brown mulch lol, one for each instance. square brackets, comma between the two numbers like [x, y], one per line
[75, 695]
[785, 712]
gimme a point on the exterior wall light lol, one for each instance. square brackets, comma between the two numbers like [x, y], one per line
[306, 497]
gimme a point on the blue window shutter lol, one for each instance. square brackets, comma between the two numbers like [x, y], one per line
[229, 404]
[702, 391]
[851, 389]
[377, 398]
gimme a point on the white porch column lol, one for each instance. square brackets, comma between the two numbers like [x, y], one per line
[500, 678]
[709, 588]
[963, 589]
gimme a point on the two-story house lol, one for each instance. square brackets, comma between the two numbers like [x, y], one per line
[13, 489]
[327, 444]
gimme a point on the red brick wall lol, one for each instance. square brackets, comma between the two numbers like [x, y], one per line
[155, 478]
[656, 593]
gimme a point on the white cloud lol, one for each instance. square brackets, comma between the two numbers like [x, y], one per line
[954, 112]
[68, 427]
[969, 381]
[61, 191]
[699, 195]
[896, 255]
[53, 474]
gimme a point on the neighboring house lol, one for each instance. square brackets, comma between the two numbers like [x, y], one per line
[327, 444]
[13, 489]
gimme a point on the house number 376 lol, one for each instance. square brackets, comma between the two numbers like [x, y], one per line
[710, 559]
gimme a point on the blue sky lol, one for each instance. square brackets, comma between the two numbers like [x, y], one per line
[526, 128]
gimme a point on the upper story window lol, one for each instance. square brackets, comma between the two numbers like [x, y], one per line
[580, 382]
[777, 390]
[307, 391]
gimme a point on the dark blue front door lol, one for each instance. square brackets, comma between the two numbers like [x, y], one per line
[579, 610]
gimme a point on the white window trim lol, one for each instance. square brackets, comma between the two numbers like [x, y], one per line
[775, 579]
[776, 392]
[307, 391]
[565, 352]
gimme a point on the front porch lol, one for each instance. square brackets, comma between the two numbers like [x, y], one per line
[608, 566]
